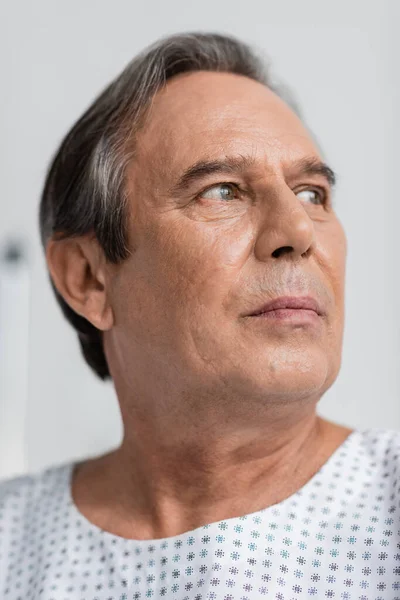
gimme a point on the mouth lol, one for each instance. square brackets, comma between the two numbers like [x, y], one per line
[303, 311]
[289, 307]
[288, 316]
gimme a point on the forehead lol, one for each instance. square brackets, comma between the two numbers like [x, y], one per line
[208, 115]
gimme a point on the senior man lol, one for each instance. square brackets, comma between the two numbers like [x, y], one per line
[192, 242]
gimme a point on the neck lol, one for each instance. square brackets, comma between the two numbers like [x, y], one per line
[156, 486]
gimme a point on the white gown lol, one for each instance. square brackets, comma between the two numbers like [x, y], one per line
[337, 537]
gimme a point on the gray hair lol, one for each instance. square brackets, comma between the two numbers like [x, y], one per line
[85, 192]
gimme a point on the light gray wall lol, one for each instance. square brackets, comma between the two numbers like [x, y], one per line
[339, 58]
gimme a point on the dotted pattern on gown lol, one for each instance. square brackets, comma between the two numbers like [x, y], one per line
[337, 537]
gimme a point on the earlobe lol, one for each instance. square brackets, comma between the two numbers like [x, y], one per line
[77, 269]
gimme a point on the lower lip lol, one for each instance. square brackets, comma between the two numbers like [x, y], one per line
[291, 315]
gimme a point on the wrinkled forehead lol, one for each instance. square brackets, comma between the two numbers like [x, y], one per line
[208, 115]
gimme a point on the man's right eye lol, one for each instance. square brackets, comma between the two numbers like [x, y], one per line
[221, 191]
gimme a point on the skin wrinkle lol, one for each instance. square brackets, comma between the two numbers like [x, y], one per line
[219, 410]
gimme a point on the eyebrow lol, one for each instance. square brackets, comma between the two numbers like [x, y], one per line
[238, 164]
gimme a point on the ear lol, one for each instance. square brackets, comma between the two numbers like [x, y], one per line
[78, 269]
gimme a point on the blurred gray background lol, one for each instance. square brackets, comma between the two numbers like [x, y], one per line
[341, 61]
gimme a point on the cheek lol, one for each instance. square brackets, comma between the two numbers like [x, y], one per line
[181, 268]
[202, 260]
[170, 295]
[333, 267]
[332, 252]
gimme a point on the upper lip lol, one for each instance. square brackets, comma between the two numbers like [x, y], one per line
[300, 302]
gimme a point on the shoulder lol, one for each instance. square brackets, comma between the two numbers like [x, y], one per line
[381, 444]
[378, 450]
[26, 485]
[29, 507]
[23, 496]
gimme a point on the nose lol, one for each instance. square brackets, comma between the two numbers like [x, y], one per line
[286, 227]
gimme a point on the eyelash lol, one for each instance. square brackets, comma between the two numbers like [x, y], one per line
[325, 196]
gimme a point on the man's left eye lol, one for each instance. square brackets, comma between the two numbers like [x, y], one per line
[315, 196]
[222, 191]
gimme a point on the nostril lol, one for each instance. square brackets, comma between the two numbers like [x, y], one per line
[282, 250]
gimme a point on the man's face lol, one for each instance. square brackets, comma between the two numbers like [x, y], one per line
[215, 245]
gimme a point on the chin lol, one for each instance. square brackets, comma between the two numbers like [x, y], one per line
[285, 374]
